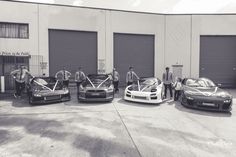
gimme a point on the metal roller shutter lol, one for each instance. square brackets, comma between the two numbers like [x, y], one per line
[72, 49]
[134, 50]
[218, 59]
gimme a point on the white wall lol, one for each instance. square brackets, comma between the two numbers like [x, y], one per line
[126, 22]
[208, 25]
[176, 36]
[70, 18]
[20, 13]
[177, 42]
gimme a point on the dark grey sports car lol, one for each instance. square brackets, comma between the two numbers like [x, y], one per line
[96, 87]
[47, 90]
[202, 93]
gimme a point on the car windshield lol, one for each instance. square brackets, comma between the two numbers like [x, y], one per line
[148, 81]
[202, 82]
[47, 82]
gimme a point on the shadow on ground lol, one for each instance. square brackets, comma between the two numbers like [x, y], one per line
[201, 112]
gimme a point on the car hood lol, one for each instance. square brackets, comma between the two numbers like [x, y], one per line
[206, 91]
[144, 88]
[92, 88]
[48, 92]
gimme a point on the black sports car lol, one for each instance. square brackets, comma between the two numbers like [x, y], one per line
[46, 90]
[202, 93]
[96, 87]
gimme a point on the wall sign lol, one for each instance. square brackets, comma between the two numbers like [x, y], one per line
[4, 53]
[43, 65]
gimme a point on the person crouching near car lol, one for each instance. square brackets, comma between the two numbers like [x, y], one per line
[79, 78]
[130, 76]
[64, 75]
[177, 88]
[20, 77]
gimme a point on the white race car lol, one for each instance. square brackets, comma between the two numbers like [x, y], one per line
[145, 90]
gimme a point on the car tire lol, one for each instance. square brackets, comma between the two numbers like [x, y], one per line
[30, 99]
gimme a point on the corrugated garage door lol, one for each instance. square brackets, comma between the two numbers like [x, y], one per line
[72, 49]
[134, 50]
[218, 59]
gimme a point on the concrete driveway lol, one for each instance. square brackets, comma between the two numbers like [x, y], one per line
[117, 129]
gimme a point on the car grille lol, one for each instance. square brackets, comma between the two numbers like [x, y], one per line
[99, 94]
[97, 91]
[54, 97]
[140, 97]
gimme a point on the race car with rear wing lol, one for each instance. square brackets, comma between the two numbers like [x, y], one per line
[96, 87]
[43, 90]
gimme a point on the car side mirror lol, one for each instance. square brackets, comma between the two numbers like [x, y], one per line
[219, 84]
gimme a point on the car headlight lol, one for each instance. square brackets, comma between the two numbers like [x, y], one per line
[130, 88]
[110, 89]
[81, 88]
[189, 98]
[37, 95]
[222, 95]
[153, 90]
[227, 101]
[66, 91]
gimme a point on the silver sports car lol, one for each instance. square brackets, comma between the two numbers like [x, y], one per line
[96, 87]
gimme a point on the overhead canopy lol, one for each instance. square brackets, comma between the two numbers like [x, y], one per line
[154, 6]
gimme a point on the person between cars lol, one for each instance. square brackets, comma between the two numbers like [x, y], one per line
[130, 76]
[20, 77]
[178, 88]
[79, 77]
[167, 79]
[116, 78]
[64, 75]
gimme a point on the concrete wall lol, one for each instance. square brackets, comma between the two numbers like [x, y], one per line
[176, 36]
[208, 25]
[124, 22]
[20, 13]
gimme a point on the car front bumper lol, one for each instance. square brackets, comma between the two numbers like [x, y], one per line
[49, 99]
[207, 103]
[95, 96]
[143, 97]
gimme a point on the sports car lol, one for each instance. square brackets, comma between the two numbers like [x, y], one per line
[96, 87]
[202, 93]
[145, 90]
[46, 90]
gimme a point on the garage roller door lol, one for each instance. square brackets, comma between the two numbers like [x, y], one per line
[134, 50]
[72, 49]
[218, 59]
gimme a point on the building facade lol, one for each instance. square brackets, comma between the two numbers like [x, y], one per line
[50, 37]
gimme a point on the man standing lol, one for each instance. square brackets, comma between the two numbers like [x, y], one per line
[79, 77]
[130, 76]
[20, 76]
[116, 78]
[167, 79]
[64, 76]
